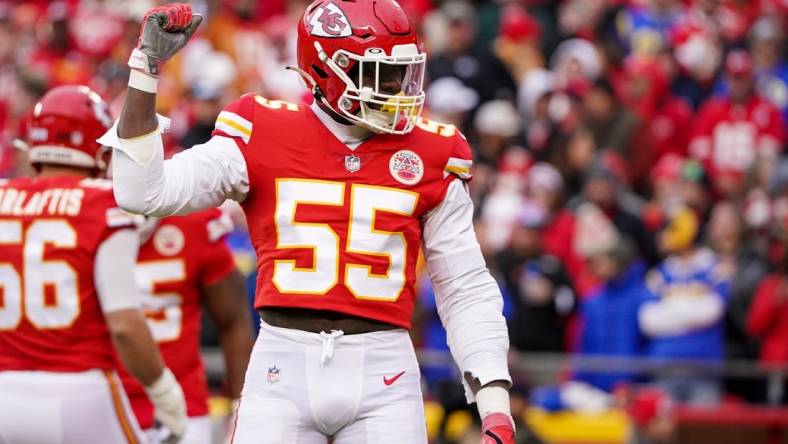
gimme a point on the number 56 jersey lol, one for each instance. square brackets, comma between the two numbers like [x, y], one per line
[336, 228]
[50, 313]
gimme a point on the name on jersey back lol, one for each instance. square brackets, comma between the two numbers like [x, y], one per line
[52, 202]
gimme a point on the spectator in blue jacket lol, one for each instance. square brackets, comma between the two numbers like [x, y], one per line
[609, 324]
[684, 311]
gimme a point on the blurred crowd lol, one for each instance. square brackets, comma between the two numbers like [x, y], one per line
[630, 179]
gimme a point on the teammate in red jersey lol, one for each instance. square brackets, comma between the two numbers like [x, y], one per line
[67, 292]
[732, 133]
[183, 265]
[339, 197]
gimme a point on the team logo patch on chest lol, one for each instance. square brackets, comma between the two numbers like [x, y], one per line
[168, 240]
[407, 167]
[352, 163]
[329, 21]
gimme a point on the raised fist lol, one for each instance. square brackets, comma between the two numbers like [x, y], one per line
[497, 428]
[165, 30]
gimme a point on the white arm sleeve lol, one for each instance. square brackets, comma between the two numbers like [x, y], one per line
[113, 271]
[469, 301]
[200, 177]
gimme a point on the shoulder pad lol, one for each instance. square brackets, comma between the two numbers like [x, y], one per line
[459, 159]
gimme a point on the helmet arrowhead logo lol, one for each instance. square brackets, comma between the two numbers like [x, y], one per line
[329, 21]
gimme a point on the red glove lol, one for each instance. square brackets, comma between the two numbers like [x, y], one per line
[497, 428]
[174, 17]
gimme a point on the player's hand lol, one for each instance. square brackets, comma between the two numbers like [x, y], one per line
[169, 405]
[165, 30]
[497, 428]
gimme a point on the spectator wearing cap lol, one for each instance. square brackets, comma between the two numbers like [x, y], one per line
[500, 165]
[478, 70]
[545, 186]
[518, 42]
[533, 102]
[732, 133]
[605, 187]
[697, 53]
[683, 315]
[609, 315]
[449, 101]
[542, 296]
[207, 85]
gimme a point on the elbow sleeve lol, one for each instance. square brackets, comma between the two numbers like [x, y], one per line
[114, 267]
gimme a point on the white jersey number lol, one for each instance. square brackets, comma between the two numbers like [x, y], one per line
[366, 201]
[37, 275]
[163, 309]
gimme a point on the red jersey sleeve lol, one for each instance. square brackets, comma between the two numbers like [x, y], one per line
[235, 120]
[217, 259]
[460, 158]
[112, 217]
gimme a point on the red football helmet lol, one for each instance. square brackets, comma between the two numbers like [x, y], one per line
[363, 60]
[64, 126]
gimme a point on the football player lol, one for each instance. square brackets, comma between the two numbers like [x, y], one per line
[67, 291]
[340, 197]
[183, 265]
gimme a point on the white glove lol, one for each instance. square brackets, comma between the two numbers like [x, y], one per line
[169, 404]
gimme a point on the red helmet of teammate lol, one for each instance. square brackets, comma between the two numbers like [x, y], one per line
[64, 126]
[363, 60]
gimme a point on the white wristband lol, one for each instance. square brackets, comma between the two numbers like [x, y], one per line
[143, 82]
[492, 399]
[162, 384]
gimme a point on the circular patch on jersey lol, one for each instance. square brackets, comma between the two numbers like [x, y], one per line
[407, 167]
[168, 240]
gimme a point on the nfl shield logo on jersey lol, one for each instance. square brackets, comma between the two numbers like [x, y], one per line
[273, 374]
[352, 163]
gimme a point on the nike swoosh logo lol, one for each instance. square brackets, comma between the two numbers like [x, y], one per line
[393, 379]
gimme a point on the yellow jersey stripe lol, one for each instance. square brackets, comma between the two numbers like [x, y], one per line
[235, 126]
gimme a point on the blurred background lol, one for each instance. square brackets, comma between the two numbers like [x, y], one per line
[630, 184]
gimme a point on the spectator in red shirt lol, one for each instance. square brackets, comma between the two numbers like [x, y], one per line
[768, 318]
[732, 133]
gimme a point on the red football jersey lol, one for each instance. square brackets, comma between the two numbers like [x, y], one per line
[50, 315]
[182, 255]
[334, 228]
[730, 137]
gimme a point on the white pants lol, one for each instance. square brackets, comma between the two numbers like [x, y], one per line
[198, 431]
[64, 408]
[302, 388]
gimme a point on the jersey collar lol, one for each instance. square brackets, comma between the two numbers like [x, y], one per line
[350, 135]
